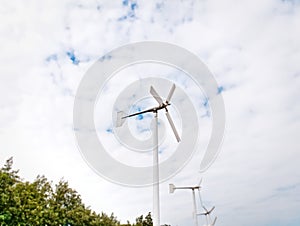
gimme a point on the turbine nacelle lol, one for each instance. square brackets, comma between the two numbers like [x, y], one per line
[172, 188]
[121, 116]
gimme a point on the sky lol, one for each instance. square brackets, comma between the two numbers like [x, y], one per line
[252, 48]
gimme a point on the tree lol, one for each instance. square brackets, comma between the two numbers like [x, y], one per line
[141, 221]
[37, 203]
[40, 203]
[8, 178]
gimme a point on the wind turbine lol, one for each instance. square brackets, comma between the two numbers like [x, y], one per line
[207, 212]
[172, 188]
[162, 105]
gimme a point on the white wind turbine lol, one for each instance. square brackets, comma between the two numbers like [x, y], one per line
[207, 213]
[162, 105]
[172, 188]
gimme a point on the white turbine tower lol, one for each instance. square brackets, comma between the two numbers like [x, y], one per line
[162, 105]
[172, 188]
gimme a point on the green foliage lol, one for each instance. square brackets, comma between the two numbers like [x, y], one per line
[141, 221]
[41, 203]
[37, 203]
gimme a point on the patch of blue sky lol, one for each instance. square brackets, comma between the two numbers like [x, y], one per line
[220, 89]
[136, 108]
[295, 222]
[143, 117]
[205, 108]
[105, 57]
[109, 130]
[131, 14]
[122, 18]
[72, 57]
[140, 117]
[184, 14]
[133, 6]
[52, 57]
[279, 222]
[88, 58]
[205, 102]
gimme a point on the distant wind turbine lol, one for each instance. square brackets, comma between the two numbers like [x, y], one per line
[172, 188]
[207, 213]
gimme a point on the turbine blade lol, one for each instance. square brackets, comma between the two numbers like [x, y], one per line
[172, 125]
[120, 118]
[205, 209]
[200, 198]
[156, 96]
[200, 182]
[211, 209]
[214, 221]
[171, 93]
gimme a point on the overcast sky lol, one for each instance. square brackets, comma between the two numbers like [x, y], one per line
[252, 48]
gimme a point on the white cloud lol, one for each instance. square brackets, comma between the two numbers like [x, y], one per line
[252, 47]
